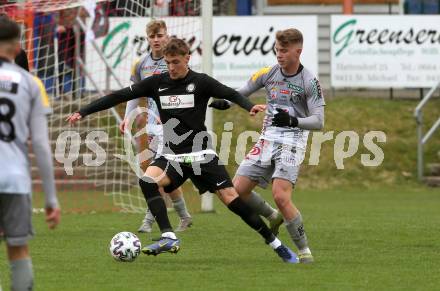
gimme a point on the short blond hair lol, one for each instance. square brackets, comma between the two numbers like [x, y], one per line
[176, 46]
[289, 36]
[154, 26]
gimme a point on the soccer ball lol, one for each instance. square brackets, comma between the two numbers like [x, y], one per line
[125, 247]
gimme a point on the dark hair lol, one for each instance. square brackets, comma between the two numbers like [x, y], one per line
[176, 46]
[9, 29]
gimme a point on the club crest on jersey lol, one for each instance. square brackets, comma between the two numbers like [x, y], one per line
[295, 97]
[190, 88]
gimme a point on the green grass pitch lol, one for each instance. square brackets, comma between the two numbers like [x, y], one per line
[362, 240]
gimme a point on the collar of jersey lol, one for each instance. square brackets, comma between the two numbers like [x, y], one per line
[151, 56]
[300, 68]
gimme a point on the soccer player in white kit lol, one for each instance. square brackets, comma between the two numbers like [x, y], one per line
[295, 105]
[153, 64]
[24, 105]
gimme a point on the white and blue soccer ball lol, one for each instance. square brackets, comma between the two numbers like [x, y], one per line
[125, 247]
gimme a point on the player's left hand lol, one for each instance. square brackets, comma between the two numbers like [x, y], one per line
[257, 108]
[53, 216]
[74, 117]
[282, 118]
[220, 104]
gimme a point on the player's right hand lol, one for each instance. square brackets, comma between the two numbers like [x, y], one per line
[74, 117]
[53, 216]
[122, 126]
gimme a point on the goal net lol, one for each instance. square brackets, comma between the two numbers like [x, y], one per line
[82, 50]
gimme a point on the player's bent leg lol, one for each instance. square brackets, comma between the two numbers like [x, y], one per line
[231, 199]
[179, 205]
[22, 277]
[153, 178]
[282, 190]
[244, 186]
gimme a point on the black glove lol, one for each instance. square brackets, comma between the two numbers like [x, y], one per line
[282, 118]
[220, 104]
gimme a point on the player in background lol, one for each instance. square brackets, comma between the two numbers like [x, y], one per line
[151, 64]
[24, 105]
[295, 105]
[182, 97]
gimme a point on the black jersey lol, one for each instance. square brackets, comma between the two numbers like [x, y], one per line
[183, 102]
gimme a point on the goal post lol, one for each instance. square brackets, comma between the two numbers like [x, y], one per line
[207, 198]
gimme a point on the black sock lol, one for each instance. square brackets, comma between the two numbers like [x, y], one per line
[156, 204]
[239, 207]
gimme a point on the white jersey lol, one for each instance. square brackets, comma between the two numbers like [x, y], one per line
[144, 68]
[297, 94]
[21, 96]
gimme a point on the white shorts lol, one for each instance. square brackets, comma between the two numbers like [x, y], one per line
[268, 160]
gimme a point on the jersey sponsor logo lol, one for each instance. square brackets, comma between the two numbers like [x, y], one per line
[273, 93]
[11, 76]
[297, 89]
[9, 81]
[276, 83]
[177, 101]
[8, 86]
[287, 92]
[190, 88]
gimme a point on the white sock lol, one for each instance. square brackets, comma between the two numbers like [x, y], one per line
[169, 234]
[304, 251]
[275, 244]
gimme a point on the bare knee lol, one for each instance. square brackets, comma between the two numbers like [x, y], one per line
[243, 186]
[281, 197]
[227, 195]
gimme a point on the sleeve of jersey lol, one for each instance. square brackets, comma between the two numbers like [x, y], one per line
[315, 98]
[41, 148]
[313, 122]
[146, 87]
[41, 103]
[218, 90]
[315, 104]
[255, 82]
[134, 77]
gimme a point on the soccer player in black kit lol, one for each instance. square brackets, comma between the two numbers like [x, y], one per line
[182, 97]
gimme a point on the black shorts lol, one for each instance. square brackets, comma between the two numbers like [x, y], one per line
[206, 176]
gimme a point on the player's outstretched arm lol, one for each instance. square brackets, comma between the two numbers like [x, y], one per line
[217, 90]
[146, 87]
